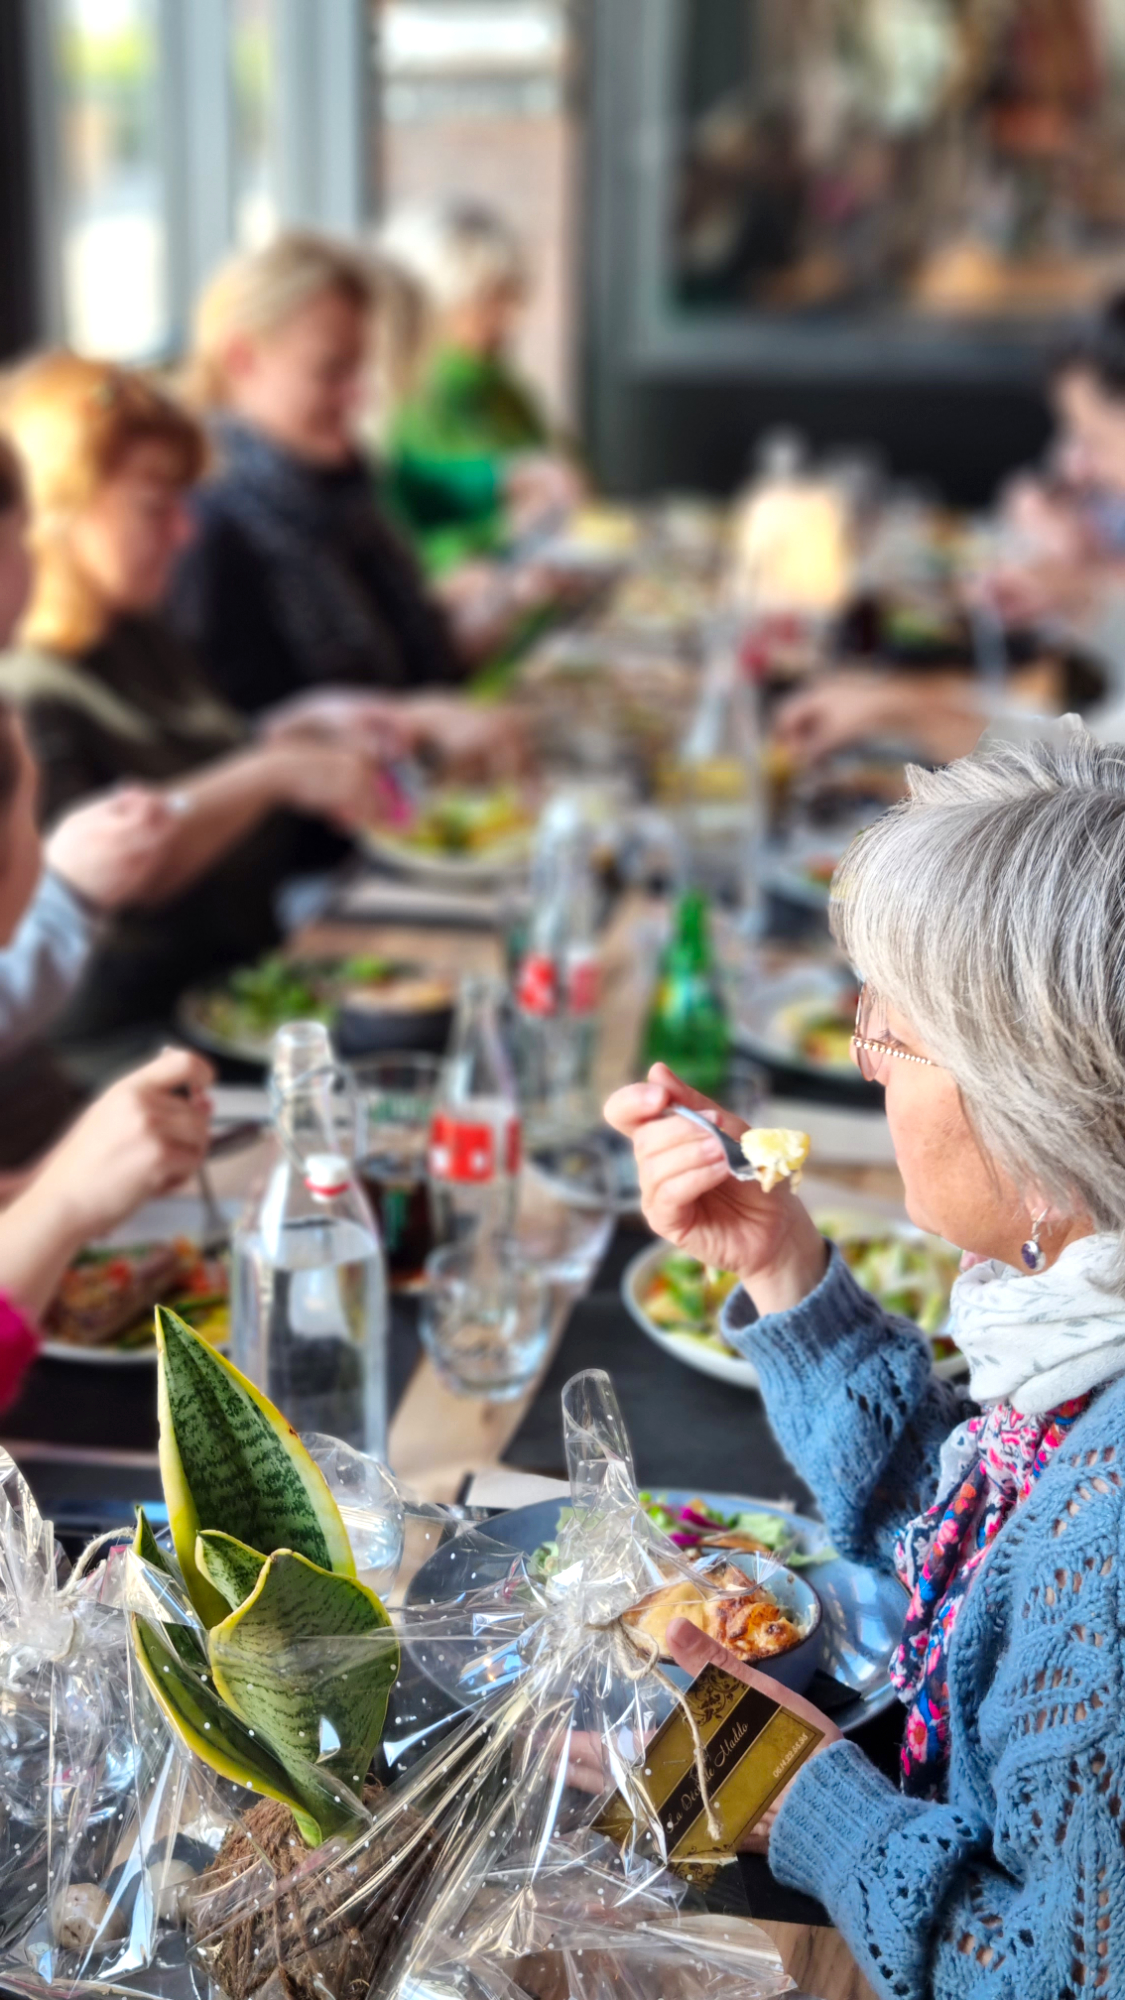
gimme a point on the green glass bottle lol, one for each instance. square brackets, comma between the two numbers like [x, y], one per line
[687, 1027]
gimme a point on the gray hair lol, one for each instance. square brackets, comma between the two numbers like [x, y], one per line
[989, 909]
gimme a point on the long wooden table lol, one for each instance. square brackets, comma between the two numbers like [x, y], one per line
[436, 1438]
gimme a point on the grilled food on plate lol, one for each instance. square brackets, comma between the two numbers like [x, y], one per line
[748, 1621]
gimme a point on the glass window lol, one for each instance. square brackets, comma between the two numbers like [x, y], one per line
[934, 158]
[115, 286]
[473, 102]
[254, 100]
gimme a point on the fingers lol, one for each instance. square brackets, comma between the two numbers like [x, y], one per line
[176, 1069]
[633, 1106]
[638, 1104]
[679, 1092]
[693, 1650]
[669, 1205]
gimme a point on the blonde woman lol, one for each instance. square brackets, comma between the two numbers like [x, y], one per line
[469, 451]
[108, 695]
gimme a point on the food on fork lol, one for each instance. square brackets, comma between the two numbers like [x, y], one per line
[775, 1154]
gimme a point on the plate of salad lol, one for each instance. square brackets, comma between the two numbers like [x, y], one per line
[862, 1609]
[470, 833]
[678, 1303]
[800, 1021]
[239, 1014]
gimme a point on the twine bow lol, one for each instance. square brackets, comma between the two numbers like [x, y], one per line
[637, 1654]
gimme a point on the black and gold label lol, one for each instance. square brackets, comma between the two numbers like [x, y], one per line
[752, 1747]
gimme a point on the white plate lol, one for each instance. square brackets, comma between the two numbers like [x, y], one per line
[506, 862]
[851, 1215]
[156, 1222]
[765, 1013]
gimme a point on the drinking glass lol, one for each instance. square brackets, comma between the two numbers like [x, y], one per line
[485, 1319]
[396, 1097]
[566, 1241]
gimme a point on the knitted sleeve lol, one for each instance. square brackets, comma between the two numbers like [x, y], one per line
[855, 1405]
[1022, 1895]
[41, 967]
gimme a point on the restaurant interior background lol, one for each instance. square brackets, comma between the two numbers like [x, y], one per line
[799, 277]
[871, 217]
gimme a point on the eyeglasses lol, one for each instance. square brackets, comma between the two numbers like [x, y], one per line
[868, 1047]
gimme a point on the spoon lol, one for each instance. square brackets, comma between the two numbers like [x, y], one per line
[738, 1165]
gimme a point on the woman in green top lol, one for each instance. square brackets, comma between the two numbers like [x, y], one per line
[469, 454]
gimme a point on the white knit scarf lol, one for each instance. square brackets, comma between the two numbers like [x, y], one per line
[1037, 1339]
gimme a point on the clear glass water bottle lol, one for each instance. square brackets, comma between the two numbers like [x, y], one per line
[475, 1132]
[309, 1319]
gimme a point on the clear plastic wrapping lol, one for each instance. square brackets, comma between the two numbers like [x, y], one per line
[473, 1867]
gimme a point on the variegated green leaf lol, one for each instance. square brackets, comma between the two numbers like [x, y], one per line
[147, 1546]
[208, 1727]
[182, 1637]
[229, 1460]
[229, 1565]
[309, 1661]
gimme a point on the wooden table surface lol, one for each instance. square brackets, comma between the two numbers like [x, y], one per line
[436, 1437]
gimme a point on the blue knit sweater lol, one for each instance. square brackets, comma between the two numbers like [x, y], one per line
[1015, 1888]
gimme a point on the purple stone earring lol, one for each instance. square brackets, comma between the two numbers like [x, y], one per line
[1032, 1252]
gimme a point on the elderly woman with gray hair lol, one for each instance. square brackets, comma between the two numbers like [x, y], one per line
[987, 915]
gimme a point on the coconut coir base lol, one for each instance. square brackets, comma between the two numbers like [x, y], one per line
[272, 1920]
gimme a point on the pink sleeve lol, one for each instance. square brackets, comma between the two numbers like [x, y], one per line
[19, 1345]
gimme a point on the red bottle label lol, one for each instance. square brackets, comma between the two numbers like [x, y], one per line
[584, 985]
[460, 1151]
[537, 988]
[465, 1150]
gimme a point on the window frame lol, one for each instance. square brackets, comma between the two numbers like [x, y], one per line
[324, 96]
[633, 59]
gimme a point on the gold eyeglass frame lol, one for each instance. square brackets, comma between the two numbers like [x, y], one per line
[882, 1048]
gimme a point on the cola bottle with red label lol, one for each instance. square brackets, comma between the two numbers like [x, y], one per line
[557, 984]
[475, 1133]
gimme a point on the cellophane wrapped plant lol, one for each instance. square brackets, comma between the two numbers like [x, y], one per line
[229, 1765]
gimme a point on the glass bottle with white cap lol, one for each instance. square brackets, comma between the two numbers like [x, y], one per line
[309, 1288]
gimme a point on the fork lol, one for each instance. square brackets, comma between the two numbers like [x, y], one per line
[737, 1164]
[216, 1228]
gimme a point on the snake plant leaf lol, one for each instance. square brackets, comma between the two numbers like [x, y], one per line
[229, 1565]
[309, 1661]
[207, 1726]
[229, 1460]
[147, 1546]
[181, 1637]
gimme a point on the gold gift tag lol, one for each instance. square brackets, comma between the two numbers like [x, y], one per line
[752, 1747]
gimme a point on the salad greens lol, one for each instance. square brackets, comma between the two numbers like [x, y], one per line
[912, 1278]
[693, 1528]
[255, 1000]
[908, 1275]
[685, 1298]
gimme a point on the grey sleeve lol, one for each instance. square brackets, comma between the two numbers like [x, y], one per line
[41, 967]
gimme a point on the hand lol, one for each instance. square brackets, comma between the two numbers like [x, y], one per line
[690, 1198]
[942, 717]
[334, 782]
[109, 850]
[470, 739]
[140, 1138]
[368, 722]
[538, 486]
[693, 1650]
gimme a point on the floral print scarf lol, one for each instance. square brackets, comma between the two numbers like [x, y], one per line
[999, 1456]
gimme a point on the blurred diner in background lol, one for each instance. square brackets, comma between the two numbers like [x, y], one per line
[508, 511]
